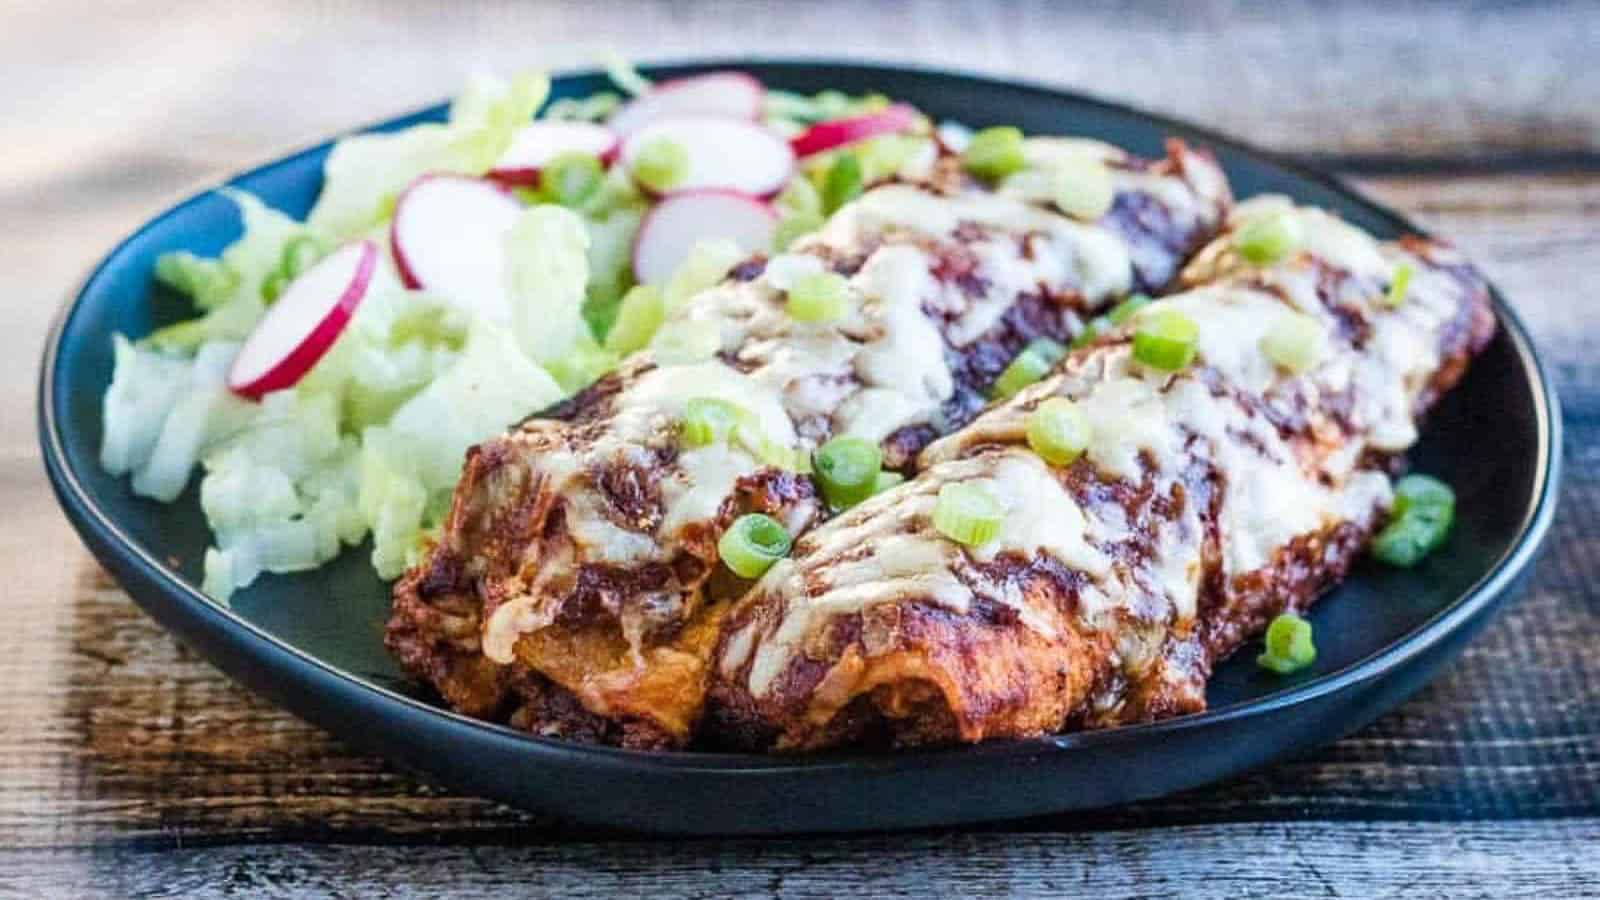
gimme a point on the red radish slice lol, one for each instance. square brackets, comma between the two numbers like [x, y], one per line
[447, 238]
[307, 318]
[537, 144]
[732, 94]
[729, 154]
[828, 135]
[677, 223]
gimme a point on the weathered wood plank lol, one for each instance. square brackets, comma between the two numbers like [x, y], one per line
[111, 731]
[1375, 861]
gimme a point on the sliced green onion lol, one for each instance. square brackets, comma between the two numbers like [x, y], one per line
[752, 544]
[846, 470]
[708, 420]
[1081, 188]
[793, 227]
[1058, 431]
[994, 153]
[967, 514]
[660, 164]
[1296, 342]
[1420, 520]
[1032, 364]
[273, 285]
[1096, 327]
[1124, 311]
[1289, 646]
[300, 253]
[1268, 239]
[887, 480]
[843, 183]
[571, 179]
[1398, 285]
[638, 318]
[1166, 340]
[748, 435]
[819, 297]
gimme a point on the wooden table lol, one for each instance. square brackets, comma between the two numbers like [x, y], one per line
[130, 768]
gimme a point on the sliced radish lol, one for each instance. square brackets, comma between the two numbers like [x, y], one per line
[307, 318]
[677, 223]
[537, 144]
[447, 237]
[828, 135]
[732, 94]
[730, 154]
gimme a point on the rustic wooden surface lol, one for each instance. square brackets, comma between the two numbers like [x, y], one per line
[130, 768]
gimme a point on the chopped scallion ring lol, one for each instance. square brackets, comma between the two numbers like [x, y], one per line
[708, 420]
[967, 514]
[1398, 285]
[300, 253]
[819, 297]
[1166, 340]
[1096, 327]
[752, 544]
[1125, 310]
[994, 153]
[661, 164]
[638, 317]
[887, 480]
[846, 469]
[571, 179]
[843, 183]
[748, 435]
[1032, 364]
[1081, 188]
[1058, 431]
[1295, 342]
[1289, 645]
[1268, 239]
[1419, 521]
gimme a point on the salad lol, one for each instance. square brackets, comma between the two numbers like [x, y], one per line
[453, 278]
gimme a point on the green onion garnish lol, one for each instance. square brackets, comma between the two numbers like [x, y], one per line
[273, 285]
[660, 164]
[1424, 509]
[1296, 342]
[843, 183]
[1096, 327]
[638, 318]
[748, 435]
[300, 253]
[967, 514]
[1165, 340]
[887, 480]
[1265, 240]
[1289, 646]
[819, 297]
[1398, 285]
[1082, 188]
[1058, 431]
[752, 544]
[572, 178]
[1032, 364]
[683, 342]
[846, 468]
[707, 420]
[994, 153]
[1124, 311]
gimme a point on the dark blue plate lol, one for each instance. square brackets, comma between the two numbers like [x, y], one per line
[312, 642]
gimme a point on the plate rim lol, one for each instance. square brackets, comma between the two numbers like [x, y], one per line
[86, 515]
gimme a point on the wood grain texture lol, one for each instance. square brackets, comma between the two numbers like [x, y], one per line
[128, 767]
[1371, 861]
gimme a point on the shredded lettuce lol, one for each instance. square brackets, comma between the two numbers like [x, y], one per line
[365, 172]
[547, 273]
